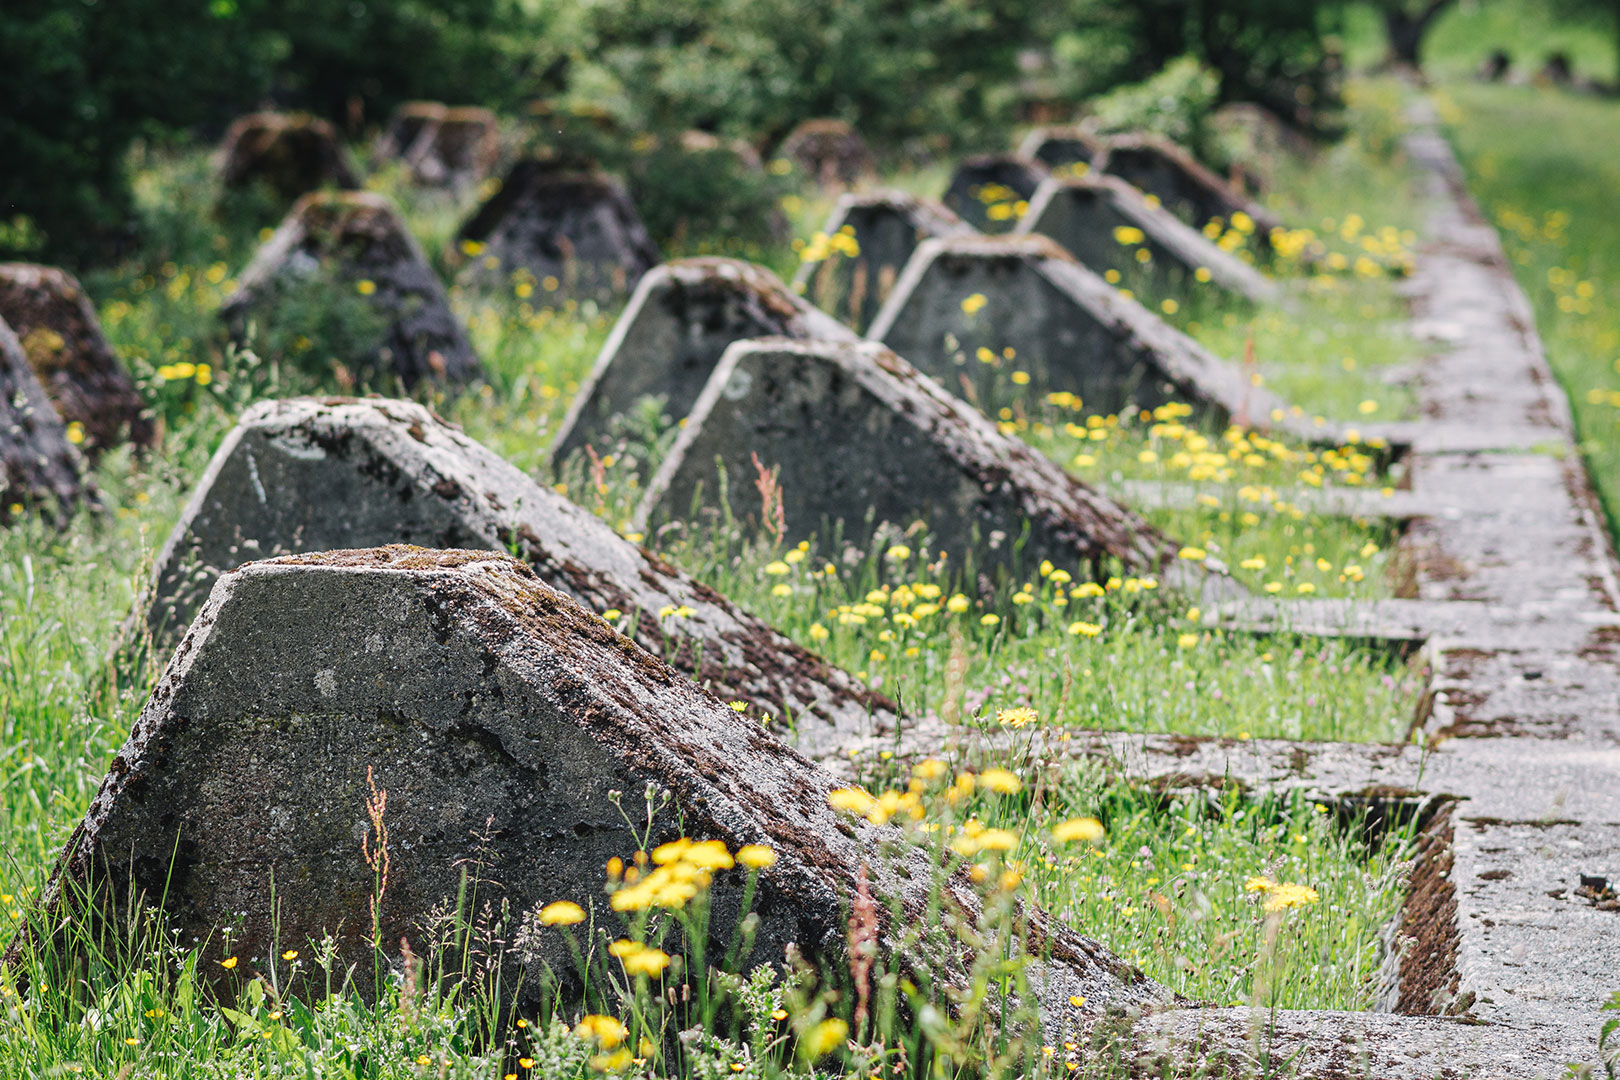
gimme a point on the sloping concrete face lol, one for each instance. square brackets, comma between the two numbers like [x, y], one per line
[576, 235]
[1186, 188]
[319, 474]
[989, 191]
[680, 321]
[1109, 225]
[503, 720]
[886, 227]
[53, 318]
[963, 303]
[352, 248]
[858, 438]
[1061, 148]
[39, 469]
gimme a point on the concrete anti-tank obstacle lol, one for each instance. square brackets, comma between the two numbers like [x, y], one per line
[829, 152]
[405, 125]
[991, 191]
[443, 146]
[289, 154]
[885, 227]
[681, 319]
[857, 436]
[1179, 181]
[503, 720]
[53, 318]
[1107, 224]
[576, 234]
[964, 302]
[1061, 147]
[348, 252]
[314, 474]
[39, 469]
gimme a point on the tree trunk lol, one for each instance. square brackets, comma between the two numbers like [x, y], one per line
[1405, 31]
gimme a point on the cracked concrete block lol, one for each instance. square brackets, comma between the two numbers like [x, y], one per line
[1186, 187]
[681, 319]
[1061, 148]
[572, 235]
[905, 451]
[973, 312]
[886, 227]
[343, 272]
[443, 146]
[1109, 225]
[990, 191]
[502, 719]
[39, 469]
[314, 474]
[829, 152]
[289, 154]
[53, 318]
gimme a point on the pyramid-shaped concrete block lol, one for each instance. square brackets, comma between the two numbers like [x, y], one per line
[1184, 185]
[443, 146]
[1061, 148]
[681, 319]
[1109, 225]
[286, 154]
[861, 438]
[504, 721]
[53, 318]
[883, 228]
[569, 235]
[974, 312]
[39, 469]
[405, 125]
[314, 474]
[992, 191]
[343, 279]
[829, 152]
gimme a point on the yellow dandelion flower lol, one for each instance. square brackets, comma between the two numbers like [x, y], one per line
[651, 962]
[824, 1038]
[1016, 717]
[756, 856]
[971, 305]
[1002, 781]
[365, 286]
[561, 913]
[1087, 829]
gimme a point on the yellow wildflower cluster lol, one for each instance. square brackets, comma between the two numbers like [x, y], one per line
[1282, 896]
[1001, 203]
[201, 374]
[822, 247]
[679, 871]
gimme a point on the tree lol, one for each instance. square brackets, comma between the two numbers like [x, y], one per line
[1406, 22]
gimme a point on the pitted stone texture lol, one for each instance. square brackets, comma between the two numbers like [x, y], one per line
[1069, 331]
[311, 475]
[1097, 218]
[577, 235]
[986, 191]
[829, 152]
[336, 242]
[1322, 1045]
[680, 321]
[502, 719]
[289, 154]
[887, 227]
[906, 452]
[53, 318]
[443, 146]
[39, 469]
[1061, 148]
[1186, 188]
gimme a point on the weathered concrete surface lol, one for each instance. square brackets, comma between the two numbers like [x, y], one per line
[991, 191]
[408, 120]
[39, 469]
[1106, 224]
[964, 299]
[443, 146]
[1061, 147]
[317, 474]
[860, 438]
[1184, 185]
[288, 154]
[53, 318]
[577, 235]
[502, 719]
[682, 317]
[887, 226]
[326, 251]
[829, 152]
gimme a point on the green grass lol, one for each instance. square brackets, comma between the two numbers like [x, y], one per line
[1165, 887]
[1542, 167]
